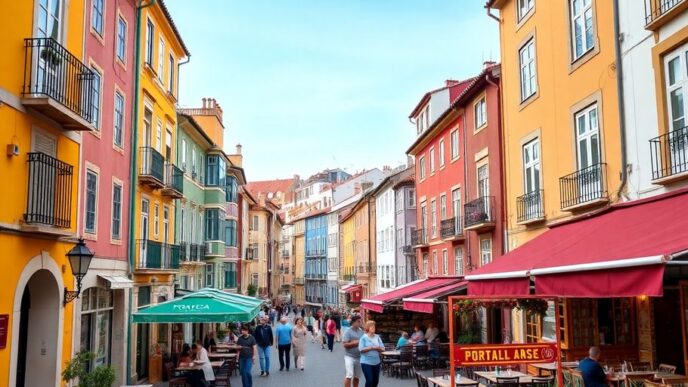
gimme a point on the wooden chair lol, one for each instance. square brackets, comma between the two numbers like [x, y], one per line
[577, 379]
[676, 382]
[422, 359]
[636, 380]
[417, 374]
[666, 369]
[440, 372]
[542, 382]
[222, 376]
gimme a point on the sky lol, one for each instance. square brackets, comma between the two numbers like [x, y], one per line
[312, 84]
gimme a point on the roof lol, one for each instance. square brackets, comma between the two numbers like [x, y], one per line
[198, 127]
[426, 96]
[265, 186]
[395, 178]
[167, 14]
[470, 90]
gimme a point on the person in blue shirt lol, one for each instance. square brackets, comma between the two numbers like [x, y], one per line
[284, 343]
[403, 340]
[592, 371]
[370, 346]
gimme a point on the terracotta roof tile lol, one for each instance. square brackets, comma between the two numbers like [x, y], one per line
[265, 186]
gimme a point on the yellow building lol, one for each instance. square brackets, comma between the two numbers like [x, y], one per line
[299, 293]
[264, 228]
[42, 113]
[347, 248]
[161, 50]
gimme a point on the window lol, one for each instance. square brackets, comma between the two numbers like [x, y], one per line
[435, 267]
[216, 171]
[183, 154]
[483, 181]
[458, 261]
[443, 207]
[480, 111]
[425, 268]
[485, 251]
[582, 30]
[231, 233]
[96, 322]
[441, 153]
[232, 190]
[119, 120]
[445, 262]
[212, 224]
[524, 7]
[421, 167]
[454, 143]
[432, 160]
[424, 221]
[170, 81]
[531, 166]
[209, 275]
[255, 223]
[156, 219]
[230, 275]
[528, 75]
[95, 99]
[116, 212]
[588, 143]
[97, 16]
[411, 197]
[150, 32]
[456, 203]
[165, 224]
[161, 59]
[533, 328]
[433, 218]
[158, 136]
[91, 201]
[121, 44]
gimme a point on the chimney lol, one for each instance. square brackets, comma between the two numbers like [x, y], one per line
[204, 102]
[238, 149]
[451, 82]
[488, 63]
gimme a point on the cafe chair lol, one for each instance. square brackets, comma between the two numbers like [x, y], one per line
[418, 376]
[422, 356]
[507, 381]
[404, 365]
[440, 372]
[636, 380]
[222, 376]
[666, 369]
[423, 381]
[677, 382]
[542, 382]
[174, 381]
[650, 383]
[390, 347]
[639, 366]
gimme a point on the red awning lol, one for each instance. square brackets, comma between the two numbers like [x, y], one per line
[350, 288]
[618, 252]
[424, 302]
[377, 303]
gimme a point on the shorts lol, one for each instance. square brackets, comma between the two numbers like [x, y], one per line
[352, 367]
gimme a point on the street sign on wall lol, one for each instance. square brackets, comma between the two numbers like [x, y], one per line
[4, 321]
[504, 354]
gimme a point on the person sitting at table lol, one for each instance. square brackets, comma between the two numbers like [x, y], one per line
[185, 355]
[202, 360]
[209, 340]
[418, 336]
[403, 340]
[593, 373]
[431, 333]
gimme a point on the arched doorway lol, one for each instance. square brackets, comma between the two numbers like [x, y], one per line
[39, 328]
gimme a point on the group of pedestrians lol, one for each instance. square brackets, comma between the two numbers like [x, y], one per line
[362, 353]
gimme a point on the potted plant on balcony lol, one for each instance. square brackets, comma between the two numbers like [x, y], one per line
[77, 368]
[51, 56]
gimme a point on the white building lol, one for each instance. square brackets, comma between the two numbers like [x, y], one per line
[332, 258]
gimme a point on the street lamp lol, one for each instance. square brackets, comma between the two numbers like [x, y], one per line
[79, 260]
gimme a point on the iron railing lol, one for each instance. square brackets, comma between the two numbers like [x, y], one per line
[50, 70]
[669, 153]
[419, 237]
[156, 255]
[478, 211]
[152, 163]
[196, 252]
[452, 227]
[530, 206]
[183, 252]
[49, 198]
[654, 9]
[407, 249]
[583, 186]
[174, 178]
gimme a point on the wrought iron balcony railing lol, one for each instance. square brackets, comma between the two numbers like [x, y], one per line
[451, 228]
[196, 252]
[174, 181]
[529, 207]
[654, 9]
[479, 211]
[407, 249]
[419, 237]
[152, 167]
[49, 199]
[52, 73]
[583, 186]
[154, 255]
[669, 154]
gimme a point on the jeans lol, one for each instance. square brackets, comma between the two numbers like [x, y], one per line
[371, 373]
[330, 342]
[283, 351]
[264, 353]
[245, 365]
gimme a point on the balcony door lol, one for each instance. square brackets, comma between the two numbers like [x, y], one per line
[531, 177]
[43, 190]
[676, 70]
[144, 233]
[46, 58]
[484, 189]
[588, 152]
[456, 210]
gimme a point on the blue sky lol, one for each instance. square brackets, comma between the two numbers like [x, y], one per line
[307, 85]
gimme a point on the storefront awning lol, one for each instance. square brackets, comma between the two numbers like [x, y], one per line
[117, 281]
[350, 288]
[205, 305]
[377, 303]
[620, 251]
[425, 301]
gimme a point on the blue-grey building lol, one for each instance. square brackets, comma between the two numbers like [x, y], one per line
[316, 258]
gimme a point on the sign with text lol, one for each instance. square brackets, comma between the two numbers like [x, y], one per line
[4, 321]
[504, 354]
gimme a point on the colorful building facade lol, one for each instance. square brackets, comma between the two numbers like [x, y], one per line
[315, 272]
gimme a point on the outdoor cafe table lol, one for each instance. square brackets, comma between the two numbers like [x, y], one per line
[197, 367]
[216, 355]
[492, 376]
[231, 347]
[395, 353]
[552, 367]
[440, 381]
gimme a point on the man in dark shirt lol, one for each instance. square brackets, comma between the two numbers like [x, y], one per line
[247, 356]
[264, 340]
[593, 373]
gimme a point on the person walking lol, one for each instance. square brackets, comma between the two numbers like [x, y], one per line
[352, 356]
[323, 331]
[284, 343]
[247, 356]
[309, 326]
[338, 326]
[264, 340]
[298, 343]
[371, 346]
[331, 329]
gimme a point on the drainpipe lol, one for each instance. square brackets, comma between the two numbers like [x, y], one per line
[620, 97]
[468, 263]
[489, 13]
[132, 174]
[503, 167]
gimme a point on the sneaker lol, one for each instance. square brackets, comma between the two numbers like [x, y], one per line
[262, 373]
[281, 369]
[267, 374]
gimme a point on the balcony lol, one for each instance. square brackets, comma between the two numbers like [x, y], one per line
[250, 253]
[316, 253]
[530, 208]
[419, 238]
[452, 229]
[584, 188]
[231, 252]
[231, 210]
[154, 255]
[298, 281]
[660, 12]
[57, 84]
[407, 249]
[49, 197]
[152, 168]
[365, 270]
[479, 214]
[669, 156]
[174, 182]
[196, 252]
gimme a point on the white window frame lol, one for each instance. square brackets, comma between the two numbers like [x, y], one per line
[580, 16]
[454, 144]
[161, 59]
[118, 127]
[485, 250]
[445, 262]
[411, 203]
[97, 98]
[121, 39]
[150, 37]
[100, 14]
[421, 167]
[458, 260]
[432, 160]
[480, 113]
[435, 264]
[95, 172]
[592, 132]
[528, 69]
[156, 219]
[441, 152]
[531, 165]
[443, 207]
[433, 218]
[524, 8]
[116, 234]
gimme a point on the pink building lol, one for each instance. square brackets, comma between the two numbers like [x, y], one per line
[104, 191]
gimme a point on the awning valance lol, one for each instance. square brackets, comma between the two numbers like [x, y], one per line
[424, 302]
[617, 252]
[117, 281]
[378, 302]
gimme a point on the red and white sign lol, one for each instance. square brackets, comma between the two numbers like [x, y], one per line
[504, 354]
